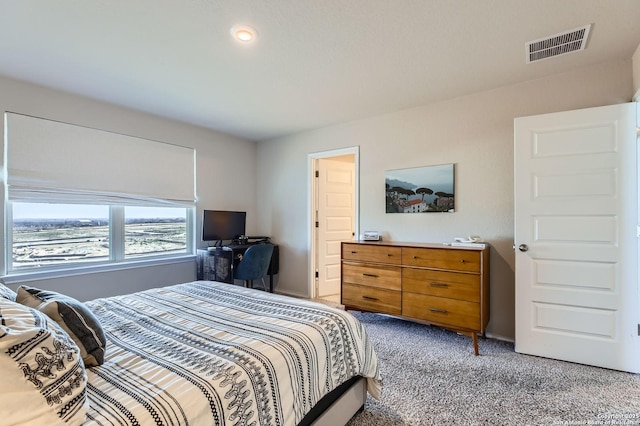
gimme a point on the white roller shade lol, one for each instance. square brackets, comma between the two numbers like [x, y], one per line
[58, 162]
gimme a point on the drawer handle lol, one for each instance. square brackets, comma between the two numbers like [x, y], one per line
[370, 275]
[353, 252]
[440, 311]
[369, 298]
[415, 257]
[434, 284]
[461, 260]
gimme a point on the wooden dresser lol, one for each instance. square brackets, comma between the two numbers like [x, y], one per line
[442, 285]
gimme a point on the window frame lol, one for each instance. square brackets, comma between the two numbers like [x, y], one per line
[116, 260]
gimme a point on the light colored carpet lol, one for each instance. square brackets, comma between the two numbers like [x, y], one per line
[431, 377]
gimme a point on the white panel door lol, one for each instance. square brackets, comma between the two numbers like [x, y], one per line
[576, 211]
[336, 199]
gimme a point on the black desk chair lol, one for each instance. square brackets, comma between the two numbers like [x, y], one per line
[254, 264]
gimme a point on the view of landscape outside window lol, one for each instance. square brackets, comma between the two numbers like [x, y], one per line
[153, 230]
[51, 234]
[58, 234]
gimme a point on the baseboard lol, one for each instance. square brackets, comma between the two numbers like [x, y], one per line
[499, 337]
[291, 293]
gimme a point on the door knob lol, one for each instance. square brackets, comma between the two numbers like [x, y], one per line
[523, 247]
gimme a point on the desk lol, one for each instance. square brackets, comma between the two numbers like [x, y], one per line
[218, 264]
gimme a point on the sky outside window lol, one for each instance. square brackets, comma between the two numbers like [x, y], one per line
[155, 212]
[59, 211]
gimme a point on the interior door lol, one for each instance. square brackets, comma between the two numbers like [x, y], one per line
[336, 200]
[576, 242]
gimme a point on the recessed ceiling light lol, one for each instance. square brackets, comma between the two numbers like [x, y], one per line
[244, 33]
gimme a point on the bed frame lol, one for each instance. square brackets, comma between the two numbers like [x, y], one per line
[340, 405]
[346, 406]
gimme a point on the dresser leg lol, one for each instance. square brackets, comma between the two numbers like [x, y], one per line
[474, 336]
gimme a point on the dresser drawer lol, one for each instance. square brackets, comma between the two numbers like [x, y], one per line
[371, 299]
[439, 310]
[457, 260]
[452, 285]
[372, 253]
[372, 275]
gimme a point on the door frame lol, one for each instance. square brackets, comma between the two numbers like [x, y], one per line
[312, 167]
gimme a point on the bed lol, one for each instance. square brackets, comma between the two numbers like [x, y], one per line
[208, 353]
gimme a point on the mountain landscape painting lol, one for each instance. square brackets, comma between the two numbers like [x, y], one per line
[427, 189]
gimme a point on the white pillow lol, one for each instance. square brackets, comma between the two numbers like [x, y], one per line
[43, 377]
[6, 292]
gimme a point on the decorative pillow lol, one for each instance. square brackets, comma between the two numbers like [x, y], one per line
[6, 292]
[73, 316]
[43, 378]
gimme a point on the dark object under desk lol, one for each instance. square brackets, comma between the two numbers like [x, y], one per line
[218, 264]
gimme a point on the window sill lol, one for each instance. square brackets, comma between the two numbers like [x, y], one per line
[26, 276]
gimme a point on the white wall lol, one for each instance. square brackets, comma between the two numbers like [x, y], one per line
[475, 132]
[636, 73]
[226, 177]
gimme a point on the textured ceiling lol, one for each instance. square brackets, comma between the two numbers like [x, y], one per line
[315, 63]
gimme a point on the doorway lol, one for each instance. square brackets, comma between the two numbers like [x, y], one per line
[333, 217]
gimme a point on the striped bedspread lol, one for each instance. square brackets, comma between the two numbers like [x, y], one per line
[207, 353]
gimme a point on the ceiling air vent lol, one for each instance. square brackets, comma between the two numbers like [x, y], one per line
[559, 44]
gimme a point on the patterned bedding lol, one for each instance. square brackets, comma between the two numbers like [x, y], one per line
[207, 353]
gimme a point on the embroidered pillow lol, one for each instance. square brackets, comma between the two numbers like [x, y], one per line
[6, 292]
[73, 316]
[43, 378]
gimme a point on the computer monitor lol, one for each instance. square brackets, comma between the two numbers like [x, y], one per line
[221, 225]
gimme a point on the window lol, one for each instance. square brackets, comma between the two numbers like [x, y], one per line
[50, 235]
[154, 230]
[90, 196]
[46, 234]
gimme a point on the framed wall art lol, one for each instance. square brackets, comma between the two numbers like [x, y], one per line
[428, 189]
